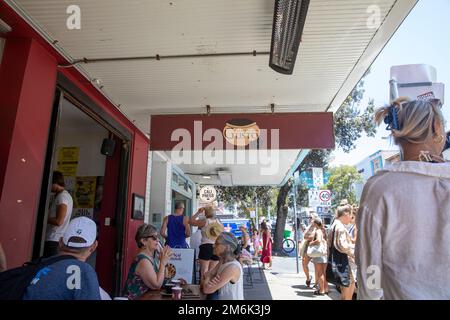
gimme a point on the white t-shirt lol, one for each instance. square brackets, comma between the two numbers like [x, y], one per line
[54, 233]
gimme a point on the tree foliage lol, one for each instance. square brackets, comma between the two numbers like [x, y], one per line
[245, 197]
[350, 122]
[340, 183]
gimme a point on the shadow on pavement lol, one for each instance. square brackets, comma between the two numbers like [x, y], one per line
[260, 289]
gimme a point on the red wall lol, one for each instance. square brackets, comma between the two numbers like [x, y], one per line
[137, 184]
[27, 80]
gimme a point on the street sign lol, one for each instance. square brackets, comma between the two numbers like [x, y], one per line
[317, 174]
[208, 194]
[319, 198]
[325, 198]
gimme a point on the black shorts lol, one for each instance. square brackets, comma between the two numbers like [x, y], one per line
[207, 252]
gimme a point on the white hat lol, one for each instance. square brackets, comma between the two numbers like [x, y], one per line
[80, 233]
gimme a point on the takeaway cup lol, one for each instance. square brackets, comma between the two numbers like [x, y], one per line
[169, 287]
[176, 293]
[176, 282]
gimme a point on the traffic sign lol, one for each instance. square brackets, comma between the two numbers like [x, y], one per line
[325, 197]
[319, 198]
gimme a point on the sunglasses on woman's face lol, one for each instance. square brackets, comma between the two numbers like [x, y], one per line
[153, 237]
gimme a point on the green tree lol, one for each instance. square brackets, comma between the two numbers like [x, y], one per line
[340, 183]
[245, 197]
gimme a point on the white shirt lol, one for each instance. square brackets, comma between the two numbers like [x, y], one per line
[404, 233]
[205, 239]
[232, 291]
[54, 233]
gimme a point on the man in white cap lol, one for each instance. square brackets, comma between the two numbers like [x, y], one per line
[71, 278]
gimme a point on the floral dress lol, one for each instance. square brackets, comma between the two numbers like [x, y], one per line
[135, 286]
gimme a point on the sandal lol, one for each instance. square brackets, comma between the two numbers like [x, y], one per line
[318, 293]
[308, 282]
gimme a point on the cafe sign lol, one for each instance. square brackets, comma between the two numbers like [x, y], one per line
[240, 132]
[208, 194]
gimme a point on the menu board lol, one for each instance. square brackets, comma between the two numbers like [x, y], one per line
[181, 265]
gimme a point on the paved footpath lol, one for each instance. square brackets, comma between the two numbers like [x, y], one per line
[283, 283]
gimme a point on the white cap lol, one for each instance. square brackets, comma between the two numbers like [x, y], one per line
[82, 228]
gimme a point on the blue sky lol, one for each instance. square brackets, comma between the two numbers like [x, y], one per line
[422, 38]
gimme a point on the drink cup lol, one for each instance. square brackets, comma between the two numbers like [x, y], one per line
[169, 287]
[176, 293]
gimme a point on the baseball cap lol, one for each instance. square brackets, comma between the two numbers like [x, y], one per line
[80, 233]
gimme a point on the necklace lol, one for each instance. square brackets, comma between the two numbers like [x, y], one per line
[426, 156]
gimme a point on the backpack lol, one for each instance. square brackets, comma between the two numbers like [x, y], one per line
[14, 282]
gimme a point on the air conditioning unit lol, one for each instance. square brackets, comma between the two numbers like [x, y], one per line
[225, 177]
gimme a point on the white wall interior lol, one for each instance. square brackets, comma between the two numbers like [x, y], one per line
[160, 188]
[78, 130]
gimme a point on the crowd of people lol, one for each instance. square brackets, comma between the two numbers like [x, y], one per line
[319, 245]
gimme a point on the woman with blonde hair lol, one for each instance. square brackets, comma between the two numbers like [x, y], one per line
[403, 221]
[206, 220]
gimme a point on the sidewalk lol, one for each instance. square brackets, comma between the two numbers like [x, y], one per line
[283, 283]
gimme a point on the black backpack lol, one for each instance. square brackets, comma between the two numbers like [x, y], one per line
[14, 282]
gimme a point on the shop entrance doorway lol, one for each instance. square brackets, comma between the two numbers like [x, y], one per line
[77, 148]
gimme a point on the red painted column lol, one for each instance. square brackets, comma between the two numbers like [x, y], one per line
[137, 182]
[27, 87]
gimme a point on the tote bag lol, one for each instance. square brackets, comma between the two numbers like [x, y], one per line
[338, 268]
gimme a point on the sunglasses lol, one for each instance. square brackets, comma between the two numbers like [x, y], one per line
[153, 237]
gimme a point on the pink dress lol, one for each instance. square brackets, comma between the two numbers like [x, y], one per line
[266, 253]
[256, 243]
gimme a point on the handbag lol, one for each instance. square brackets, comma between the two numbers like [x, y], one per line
[338, 267]
[316, 251]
